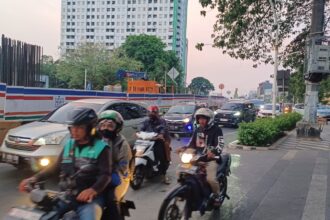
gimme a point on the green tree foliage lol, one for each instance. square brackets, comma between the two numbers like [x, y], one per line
[150, 51]
[48, 67]
[201, 86]
[244, 28]
[101, 66]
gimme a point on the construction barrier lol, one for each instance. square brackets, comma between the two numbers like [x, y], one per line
[29, 103]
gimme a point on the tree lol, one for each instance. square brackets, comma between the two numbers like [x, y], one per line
[200, 86]
[244, 28]
[101, 66]
[150, 51]
[48, 68]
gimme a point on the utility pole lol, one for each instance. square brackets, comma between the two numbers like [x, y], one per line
[85, 84]
[309, 127]
[272, 4]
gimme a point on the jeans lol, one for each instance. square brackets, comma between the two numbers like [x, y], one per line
[160, 155]
[85, 211]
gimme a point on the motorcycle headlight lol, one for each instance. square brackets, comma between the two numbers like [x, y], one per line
[186, 158]
[186, 120]
[53, 139]
[237, 114]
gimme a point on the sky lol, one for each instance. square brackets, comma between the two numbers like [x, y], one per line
[38, 22]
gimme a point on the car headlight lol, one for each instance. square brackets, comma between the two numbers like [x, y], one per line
[237, 114]
[52, 139]
[44, 162]
[215, 112]
[262, 106]
[186, 120]
[186, 158]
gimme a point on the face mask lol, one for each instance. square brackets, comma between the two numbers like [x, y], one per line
[108, 134]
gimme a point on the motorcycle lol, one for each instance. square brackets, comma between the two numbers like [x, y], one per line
[144, 159]
[46, 202]
[193, 192]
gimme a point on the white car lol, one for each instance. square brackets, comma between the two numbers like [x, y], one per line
[267, 110]
[37, 144]
[299, 108]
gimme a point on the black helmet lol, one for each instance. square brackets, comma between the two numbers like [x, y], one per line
[82, 116]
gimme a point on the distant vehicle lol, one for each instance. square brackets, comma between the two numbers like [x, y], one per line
[39, 143]
[234, 112]
[257, 103]
[180, 118]
[323, 111]
[267, 111]
[287, 108]
[299, 108]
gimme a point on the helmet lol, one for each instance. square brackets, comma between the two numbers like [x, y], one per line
[205, 112]
[82, 116]
[112, 115]
[153, 108]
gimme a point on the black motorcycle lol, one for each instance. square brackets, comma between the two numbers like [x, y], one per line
[46, 202]
[193, 192]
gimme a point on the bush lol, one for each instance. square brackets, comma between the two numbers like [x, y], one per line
[265, 131]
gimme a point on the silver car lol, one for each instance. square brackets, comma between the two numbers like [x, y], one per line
[37, 144]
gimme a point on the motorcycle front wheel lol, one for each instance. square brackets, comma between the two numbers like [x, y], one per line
[137, 177]
[174, 206]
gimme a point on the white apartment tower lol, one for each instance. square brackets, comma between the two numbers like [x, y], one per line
[111, 21]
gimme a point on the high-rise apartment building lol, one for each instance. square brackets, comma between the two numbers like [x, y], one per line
[111, 21]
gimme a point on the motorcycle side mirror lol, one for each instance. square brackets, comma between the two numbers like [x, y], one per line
[87, 168]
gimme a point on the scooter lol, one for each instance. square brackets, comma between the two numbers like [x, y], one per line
[144, 158]
[193, 192]
[46, 201]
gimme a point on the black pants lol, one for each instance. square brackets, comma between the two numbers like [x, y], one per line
[160, 156]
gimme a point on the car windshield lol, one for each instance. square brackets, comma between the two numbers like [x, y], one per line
[232, 106]
[182, 109]
[60, 115]
[270, 107]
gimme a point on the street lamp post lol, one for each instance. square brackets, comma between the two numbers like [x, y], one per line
[275, 57]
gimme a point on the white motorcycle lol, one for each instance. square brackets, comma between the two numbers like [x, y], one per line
[144, 158]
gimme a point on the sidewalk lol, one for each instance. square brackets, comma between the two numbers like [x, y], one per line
[293, 143]
[289, 183]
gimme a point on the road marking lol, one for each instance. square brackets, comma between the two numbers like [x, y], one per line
[289, 155]
[316, 197]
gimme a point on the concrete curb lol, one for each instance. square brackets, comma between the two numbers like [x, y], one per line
[274, 146]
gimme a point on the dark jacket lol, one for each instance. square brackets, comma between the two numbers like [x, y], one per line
[157, 125]
[102, 176]
[210, 137]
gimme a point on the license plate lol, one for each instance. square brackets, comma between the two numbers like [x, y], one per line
[223, 119]
[174, 127]
[10, 158]
[25, 214]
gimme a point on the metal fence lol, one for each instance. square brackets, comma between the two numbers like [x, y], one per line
[19, 63]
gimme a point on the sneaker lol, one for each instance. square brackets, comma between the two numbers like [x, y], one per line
[216, 199]
[165, 180]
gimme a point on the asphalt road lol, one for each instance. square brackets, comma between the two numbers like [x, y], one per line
[147, 199]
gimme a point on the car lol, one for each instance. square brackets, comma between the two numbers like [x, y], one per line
[180, 118]
[267, 110]
[37, 144]
[234, 112]
[299, 108]
[323, 111]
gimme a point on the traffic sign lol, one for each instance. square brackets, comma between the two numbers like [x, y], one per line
[173, 73]
[221, 86]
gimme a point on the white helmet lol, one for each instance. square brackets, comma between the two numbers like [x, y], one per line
[205, 112]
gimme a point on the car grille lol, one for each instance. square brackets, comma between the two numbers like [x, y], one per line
[175, 125]
[20, 143]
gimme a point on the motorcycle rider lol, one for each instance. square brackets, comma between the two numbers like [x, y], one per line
[162, 142]
[110, 124]
[83, 148]
[208, 135]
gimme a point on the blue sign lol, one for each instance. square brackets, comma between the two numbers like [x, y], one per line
[120, 74]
